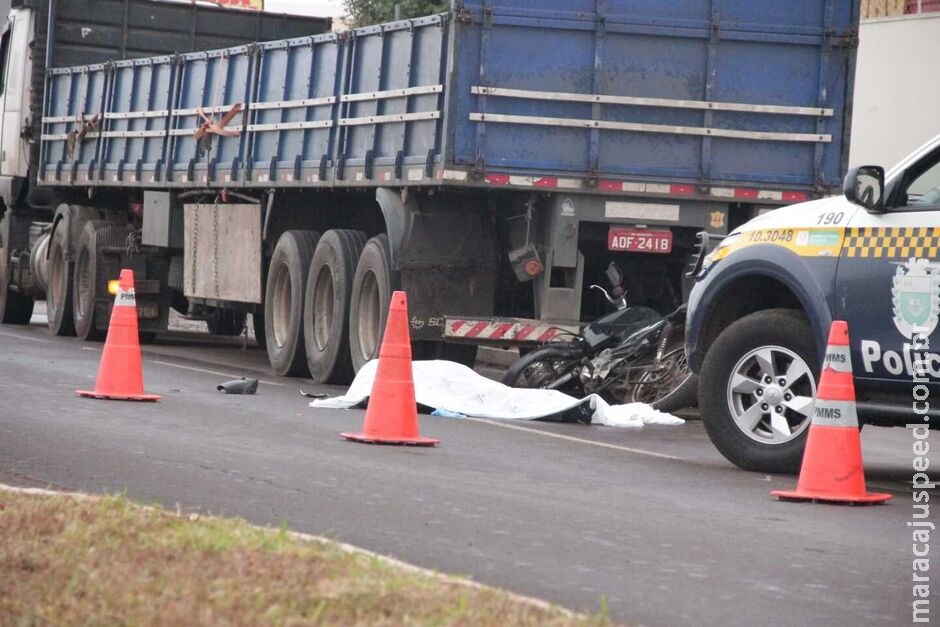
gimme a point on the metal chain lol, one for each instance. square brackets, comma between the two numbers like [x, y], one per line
[215, 245]
[195, 248]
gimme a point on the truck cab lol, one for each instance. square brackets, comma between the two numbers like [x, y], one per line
[766, 294]
[15, 65]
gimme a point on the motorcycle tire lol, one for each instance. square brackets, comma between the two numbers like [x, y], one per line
[680, 396]
[548, 354]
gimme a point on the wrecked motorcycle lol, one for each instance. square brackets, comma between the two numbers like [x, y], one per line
[631, 355]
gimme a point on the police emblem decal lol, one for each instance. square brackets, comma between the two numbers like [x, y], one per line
[915, 296]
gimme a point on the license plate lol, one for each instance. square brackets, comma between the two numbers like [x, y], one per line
[639, 240]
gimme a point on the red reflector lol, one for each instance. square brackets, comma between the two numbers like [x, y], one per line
[745, 193]
[497, 179]
[794, 196]
[610, 186]
[682, 190]
[533, 267]
[545, 182]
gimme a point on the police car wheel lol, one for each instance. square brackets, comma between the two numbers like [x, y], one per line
[756, 390]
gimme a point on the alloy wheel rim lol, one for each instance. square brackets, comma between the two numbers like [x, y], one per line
[770, 395]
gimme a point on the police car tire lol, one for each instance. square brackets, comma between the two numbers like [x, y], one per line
[781, 327]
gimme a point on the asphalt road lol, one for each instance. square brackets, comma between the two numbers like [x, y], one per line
[652, 520]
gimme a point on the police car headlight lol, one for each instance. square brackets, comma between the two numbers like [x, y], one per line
[719, 251]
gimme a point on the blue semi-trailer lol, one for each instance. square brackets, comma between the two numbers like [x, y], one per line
[490, 161]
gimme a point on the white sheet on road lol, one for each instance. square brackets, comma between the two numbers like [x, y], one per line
[452, 387]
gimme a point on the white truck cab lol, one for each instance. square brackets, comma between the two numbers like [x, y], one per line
[18, 31]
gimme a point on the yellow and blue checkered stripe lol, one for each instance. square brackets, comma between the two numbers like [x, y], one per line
[897, 242]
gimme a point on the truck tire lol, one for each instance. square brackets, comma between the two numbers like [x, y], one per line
[226, 322]
[90, 281]
[371, 294]
[327, 304]
[59, 292]
[14, 307]
[738, 401]
[284, 302]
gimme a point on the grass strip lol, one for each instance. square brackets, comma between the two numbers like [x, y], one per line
[68, 560]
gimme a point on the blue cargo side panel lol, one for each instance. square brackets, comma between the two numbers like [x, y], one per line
[135, 121]
[292, 121]
[693, 91]
[74, 108]
[211, 85]
[392, 99]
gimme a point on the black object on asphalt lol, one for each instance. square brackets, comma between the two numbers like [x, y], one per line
[239, 386]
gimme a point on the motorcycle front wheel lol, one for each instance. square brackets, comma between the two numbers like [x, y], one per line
[671, 387]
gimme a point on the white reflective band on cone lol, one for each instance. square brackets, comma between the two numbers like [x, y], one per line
[828, 413]
[125, 298]
[838, 359]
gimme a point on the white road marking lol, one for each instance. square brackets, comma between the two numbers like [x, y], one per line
[24, 337]
[549, 434]
[212, 372]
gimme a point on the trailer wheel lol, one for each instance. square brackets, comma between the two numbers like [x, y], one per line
[59, 292]
[87, 284]
[14, 307]
[284, 301]
[372, 291]
[327, 304]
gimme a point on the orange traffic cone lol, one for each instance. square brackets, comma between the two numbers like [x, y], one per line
[392, 416]
[120, 375]
[832, 469]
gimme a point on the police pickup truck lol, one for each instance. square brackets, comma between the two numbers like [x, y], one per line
[765, 295]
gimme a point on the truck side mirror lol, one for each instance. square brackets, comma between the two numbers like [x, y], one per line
[865, 186]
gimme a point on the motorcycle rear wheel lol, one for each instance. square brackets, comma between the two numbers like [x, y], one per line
[543, 367]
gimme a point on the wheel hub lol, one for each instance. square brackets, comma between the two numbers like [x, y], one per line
[773, 395]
